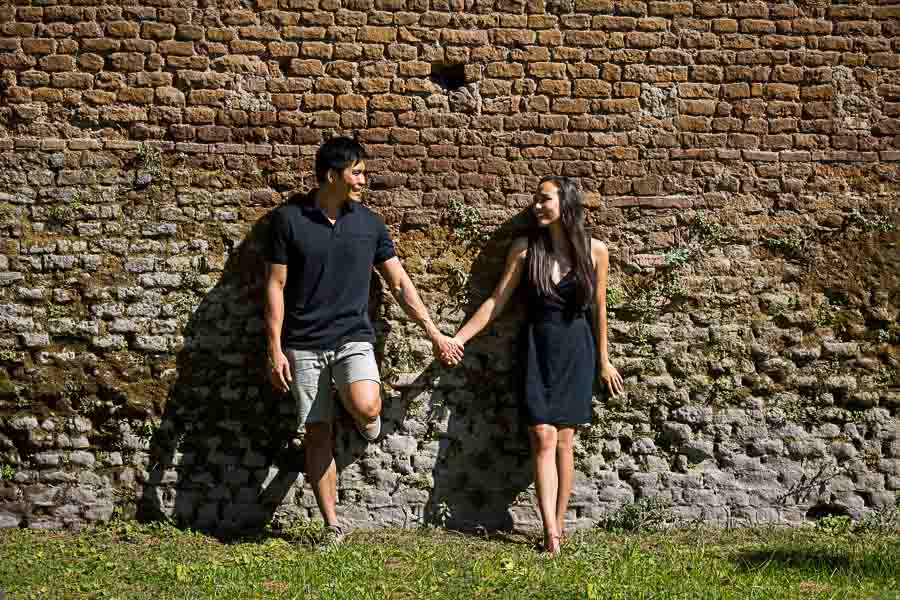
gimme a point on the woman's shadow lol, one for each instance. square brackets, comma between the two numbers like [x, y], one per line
[476, 439]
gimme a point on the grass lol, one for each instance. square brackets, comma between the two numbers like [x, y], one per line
[127, 560]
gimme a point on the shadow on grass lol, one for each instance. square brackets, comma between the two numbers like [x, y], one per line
[850, 557]
[794, 558]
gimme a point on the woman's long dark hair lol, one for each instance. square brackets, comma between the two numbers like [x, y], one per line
[540, 246]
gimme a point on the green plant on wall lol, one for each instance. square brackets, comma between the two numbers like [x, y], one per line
[877, 223]
[149, 159]
[706, 229]
[69, 208]
[661, 290]
[466, 223]
[457, 281]
[148, 167]
[788, 246]
[398, 357]
[836, 313]
[677, 257]
[143, 430]
[420, 481]
[615, 295]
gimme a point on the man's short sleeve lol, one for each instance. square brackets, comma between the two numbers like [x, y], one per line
[279, 239]
[384, 248]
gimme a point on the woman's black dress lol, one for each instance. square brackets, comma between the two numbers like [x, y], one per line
[559, 358]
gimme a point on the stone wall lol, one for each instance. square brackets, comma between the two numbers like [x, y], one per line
[739, 158]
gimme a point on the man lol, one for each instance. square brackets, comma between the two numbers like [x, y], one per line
[323, 246]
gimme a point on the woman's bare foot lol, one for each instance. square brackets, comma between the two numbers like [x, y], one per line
[551, 543]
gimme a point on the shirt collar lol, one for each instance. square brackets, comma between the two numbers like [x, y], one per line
[308, 204]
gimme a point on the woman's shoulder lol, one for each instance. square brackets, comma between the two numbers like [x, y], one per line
[599, 252]
[598, 248]
[519, 247]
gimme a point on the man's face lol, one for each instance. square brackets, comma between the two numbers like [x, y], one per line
[352, 179]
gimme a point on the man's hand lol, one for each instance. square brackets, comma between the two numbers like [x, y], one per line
[448, 350]
[280, 371]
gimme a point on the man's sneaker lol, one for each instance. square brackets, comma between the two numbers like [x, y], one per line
[371, 431]
[332, 537]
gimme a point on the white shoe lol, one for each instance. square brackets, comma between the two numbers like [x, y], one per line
[371, 431]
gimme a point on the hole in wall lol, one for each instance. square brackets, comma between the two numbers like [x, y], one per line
[826, 510]
[449, 77]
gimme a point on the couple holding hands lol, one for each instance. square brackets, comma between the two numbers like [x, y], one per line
[322, 248]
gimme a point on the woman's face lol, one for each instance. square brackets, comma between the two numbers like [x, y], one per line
[546, 204]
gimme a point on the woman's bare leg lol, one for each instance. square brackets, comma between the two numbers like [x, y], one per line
[546, 480]
[565, 469]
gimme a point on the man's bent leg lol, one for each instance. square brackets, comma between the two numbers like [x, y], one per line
[320, 468]
[359, 386]
[362, 399]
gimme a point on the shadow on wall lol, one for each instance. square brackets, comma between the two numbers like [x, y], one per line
[479, 444]
[225, 458]
[222, 458]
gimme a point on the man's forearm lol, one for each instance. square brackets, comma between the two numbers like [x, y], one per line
[412, 305]
[274, 318]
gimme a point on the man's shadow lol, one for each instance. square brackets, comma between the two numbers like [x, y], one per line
[475, 442]
[226, 457]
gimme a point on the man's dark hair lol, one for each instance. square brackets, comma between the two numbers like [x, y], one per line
[338, 154]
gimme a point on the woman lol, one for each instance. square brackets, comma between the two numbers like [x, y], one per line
[565, 275]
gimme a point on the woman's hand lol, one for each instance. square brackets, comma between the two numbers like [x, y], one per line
[448, 349]
[462, 347]
[610, 376]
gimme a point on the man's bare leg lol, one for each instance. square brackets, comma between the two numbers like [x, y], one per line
[362, 399]
[321, 470]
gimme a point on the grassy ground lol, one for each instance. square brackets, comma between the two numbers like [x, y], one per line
[127, 560]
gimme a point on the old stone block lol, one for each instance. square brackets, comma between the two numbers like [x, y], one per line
[57, 62]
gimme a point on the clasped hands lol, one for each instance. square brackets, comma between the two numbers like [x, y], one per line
[449, 350]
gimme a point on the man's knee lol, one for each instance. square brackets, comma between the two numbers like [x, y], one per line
[364, 397]
[371, 407]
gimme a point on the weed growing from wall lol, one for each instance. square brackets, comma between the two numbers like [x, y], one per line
[69, 209]
[791, 247]
[466, 223]
[707, 229]
[877, 223]
[149, 165]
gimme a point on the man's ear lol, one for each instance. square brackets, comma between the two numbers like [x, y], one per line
[329, 176]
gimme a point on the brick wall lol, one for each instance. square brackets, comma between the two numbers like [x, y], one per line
[739, 158]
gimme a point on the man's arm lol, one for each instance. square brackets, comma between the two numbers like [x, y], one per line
[405, 292]
[276, 277]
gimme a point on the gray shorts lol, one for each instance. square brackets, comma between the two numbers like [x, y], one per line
[313, 372]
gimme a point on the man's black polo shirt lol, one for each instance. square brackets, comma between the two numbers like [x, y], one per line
[329, 270]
